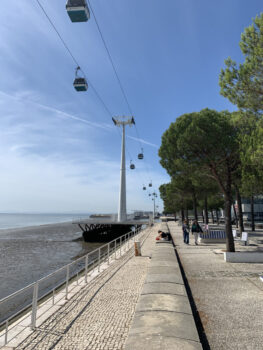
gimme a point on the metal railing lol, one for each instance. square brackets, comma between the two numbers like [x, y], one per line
[32, 296]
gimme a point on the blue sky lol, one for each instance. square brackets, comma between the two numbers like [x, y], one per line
[59, 149]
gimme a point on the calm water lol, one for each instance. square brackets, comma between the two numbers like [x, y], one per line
[25, 220]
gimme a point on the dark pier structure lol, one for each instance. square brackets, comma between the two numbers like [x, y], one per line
[106, 228]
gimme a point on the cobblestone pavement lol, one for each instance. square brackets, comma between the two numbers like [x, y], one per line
[99, 316]
[228, 297]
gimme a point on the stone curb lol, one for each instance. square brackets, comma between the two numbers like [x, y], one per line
[163, 317]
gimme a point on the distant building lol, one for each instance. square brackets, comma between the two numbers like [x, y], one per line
[258, 208]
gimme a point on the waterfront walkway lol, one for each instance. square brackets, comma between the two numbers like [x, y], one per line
[99, 316]
[228, 297]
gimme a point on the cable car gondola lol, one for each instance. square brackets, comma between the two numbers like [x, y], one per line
[78, 10]
[150, 184]
[132, 166]
[80, 83]
[144, 188]
[140, 155]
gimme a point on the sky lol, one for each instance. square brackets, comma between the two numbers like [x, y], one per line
[59, 150]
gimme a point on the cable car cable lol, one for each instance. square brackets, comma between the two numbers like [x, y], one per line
[110, 58]
[114, 68]
[73, 58]
[78, 65]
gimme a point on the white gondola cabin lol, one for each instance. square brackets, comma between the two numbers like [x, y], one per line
[78, 10]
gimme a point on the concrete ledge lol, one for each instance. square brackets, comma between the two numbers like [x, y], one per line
[164, 269]
[158, 342]
[163, 317]
[165, 258]
[165, 324]
[164, 278]
[164, 288]
[244, 257]
[163, 262]
[164, 242]
[164, 302]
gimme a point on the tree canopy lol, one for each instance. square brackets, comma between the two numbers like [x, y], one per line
[243, 84]
[205, 142]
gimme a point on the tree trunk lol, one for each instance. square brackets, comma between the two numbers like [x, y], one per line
[203, 216]
[230, 245]
[182, 214]
[195, 206]
[206, 212]
[217, 217]
[235, 214]
[252, 213]
[212, 216]
[240, 212]
[186, 216]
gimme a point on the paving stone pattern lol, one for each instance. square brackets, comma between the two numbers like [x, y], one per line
[100, 315]
[228, 297]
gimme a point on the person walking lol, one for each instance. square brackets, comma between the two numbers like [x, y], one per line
[196, 228]
[185, 228]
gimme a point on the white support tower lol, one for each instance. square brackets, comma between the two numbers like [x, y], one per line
[122, 122]
[154, 195]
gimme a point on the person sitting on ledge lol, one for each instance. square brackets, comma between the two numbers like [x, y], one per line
[163, 236]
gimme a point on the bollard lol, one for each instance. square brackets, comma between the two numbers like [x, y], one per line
[86, 268]
[137, 247]
[67, 281]
[34, 306]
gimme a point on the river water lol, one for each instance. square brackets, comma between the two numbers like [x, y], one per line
[30, 253]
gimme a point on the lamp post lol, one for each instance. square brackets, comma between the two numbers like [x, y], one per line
[154, 195]
[122, 122]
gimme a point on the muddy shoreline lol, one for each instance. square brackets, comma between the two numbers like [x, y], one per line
[30, 253]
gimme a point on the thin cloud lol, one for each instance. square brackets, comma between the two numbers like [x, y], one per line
[143, 141]
[59, 113]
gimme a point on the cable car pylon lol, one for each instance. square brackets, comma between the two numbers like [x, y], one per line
[122, 122]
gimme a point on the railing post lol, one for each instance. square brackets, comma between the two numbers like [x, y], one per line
[128, 240]
[6, 331]
[115, 248]
[34, 306]
[108, 253]
[120, 245]
[86, 268]
[99, 261]
[67, 280]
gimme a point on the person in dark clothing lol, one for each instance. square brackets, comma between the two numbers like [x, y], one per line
[196, 228]
[185, 228]
[165, 236]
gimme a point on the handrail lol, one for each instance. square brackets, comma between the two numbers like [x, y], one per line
[99, 255]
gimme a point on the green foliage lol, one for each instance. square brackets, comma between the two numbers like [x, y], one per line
[205, 142]
[243, 84]
[250, 147]
[203, 145]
